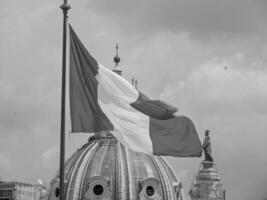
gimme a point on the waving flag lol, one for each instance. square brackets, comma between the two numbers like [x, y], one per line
[101, 100]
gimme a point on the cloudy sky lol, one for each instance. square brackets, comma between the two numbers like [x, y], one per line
[176, 49]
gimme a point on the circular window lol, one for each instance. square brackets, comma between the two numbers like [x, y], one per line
[98, 190]
[56, 192]
[150, 191]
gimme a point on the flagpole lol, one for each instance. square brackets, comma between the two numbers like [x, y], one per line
[65, 7]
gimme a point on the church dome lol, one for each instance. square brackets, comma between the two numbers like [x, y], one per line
[104, 169]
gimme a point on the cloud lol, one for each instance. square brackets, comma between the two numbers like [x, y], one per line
[4, 166]
[50, 158]
[27, 62]
[4, 161]
[204, 19]
[221, 86]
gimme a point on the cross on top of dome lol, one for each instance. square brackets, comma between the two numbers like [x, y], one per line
[117, 60]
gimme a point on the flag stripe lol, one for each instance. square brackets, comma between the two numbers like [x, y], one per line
[86, 115]
[175, 136]
[154, 108]
[115, 94]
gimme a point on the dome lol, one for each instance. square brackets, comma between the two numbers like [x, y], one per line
[104, 169]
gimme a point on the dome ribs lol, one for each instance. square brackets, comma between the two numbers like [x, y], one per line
[160, 176]
[82, 170]
[131, 188]
[74, 188]
[123, 173]
[167, 176]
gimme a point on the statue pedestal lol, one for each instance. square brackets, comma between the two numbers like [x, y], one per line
[207, 184]
[207, 164]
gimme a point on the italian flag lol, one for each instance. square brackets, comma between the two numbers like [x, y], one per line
[101, 100]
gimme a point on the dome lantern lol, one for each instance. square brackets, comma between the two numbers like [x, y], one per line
[117, 60]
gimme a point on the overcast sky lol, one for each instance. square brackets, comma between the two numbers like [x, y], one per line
[176, 49]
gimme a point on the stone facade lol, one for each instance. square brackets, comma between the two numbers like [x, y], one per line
[21, 191]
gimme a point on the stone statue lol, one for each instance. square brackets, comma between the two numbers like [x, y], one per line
[207, 147]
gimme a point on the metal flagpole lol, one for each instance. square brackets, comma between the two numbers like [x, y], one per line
[65, 7]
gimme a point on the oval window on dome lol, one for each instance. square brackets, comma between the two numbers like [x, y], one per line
[151, 188]
[97, 187]
[56, 192]
[98, 190]
[150, 191]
